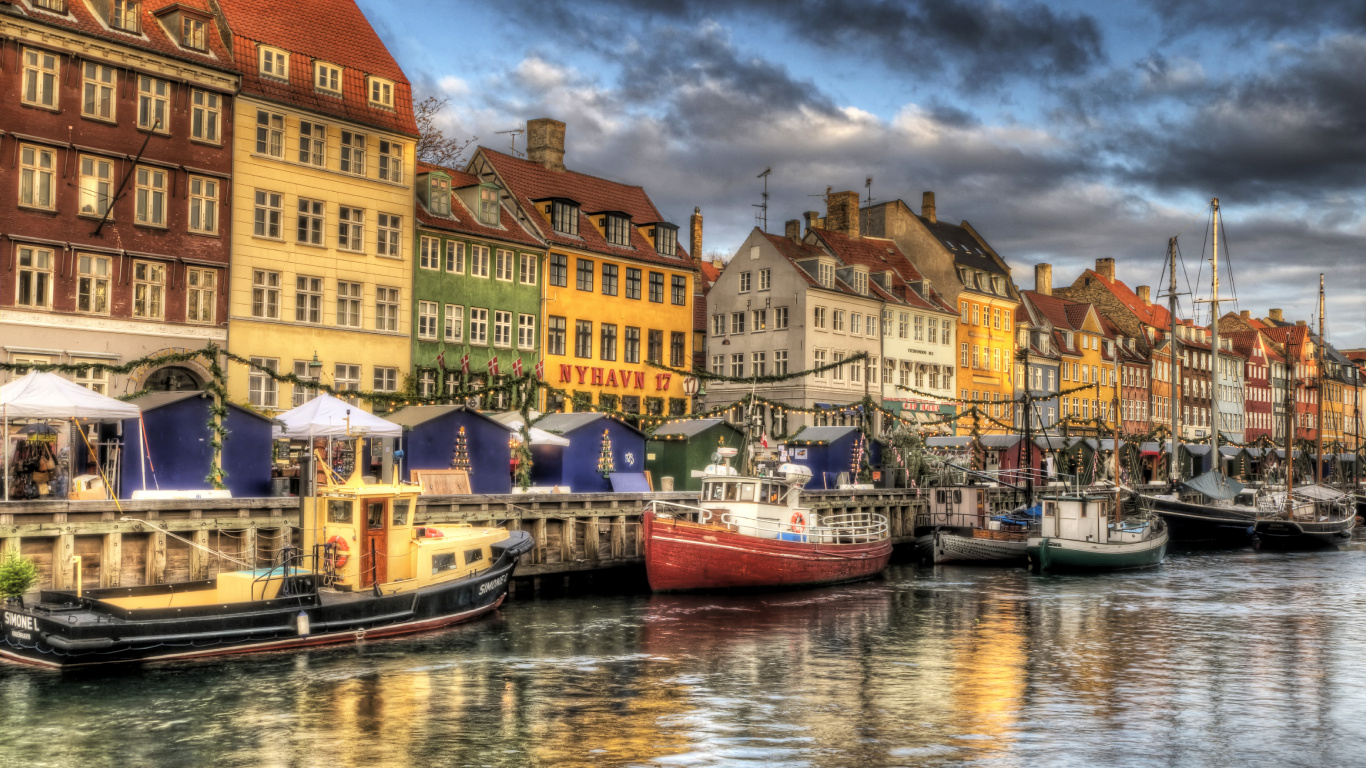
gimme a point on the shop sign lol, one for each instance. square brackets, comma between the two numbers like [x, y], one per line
[621, 378]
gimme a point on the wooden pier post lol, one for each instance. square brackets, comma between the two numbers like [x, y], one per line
[156, 558]
[568, 529]
[591, 537]
[199, 558]
[618, 537]
[538, 535]
[248, 553]
[63, 570]
[111, 560]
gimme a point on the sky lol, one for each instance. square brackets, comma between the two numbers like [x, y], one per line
[1064, 132]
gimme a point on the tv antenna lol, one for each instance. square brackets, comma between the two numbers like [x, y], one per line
[868, 184]
[762, 215]
[514, 133]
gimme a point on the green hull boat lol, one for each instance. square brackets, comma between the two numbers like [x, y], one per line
[1084, 532]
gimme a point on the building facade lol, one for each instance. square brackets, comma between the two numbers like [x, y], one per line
[323, 143]
[119, 132]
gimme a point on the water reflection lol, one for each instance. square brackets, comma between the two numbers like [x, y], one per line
[1215, 659]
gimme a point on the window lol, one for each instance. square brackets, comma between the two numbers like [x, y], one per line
[265, 294]
[327, 77]
[310, 229]
[99, 101]
[678, 290]
[607, 342]
[262, 390]
[718, 365]
[386, 379]
[780, 362]
[391, 161]
[57, 6]
[502, 329]
[274, 63]
[555, 333]
[479, 261]
[758, 320]
[583, 338]
[151, 196]
[817, 361]
[302, 394]
[657, 287]
[35, 277]
[666, 241]
[617, 230]
[564, 218]
[455, 257]
[631, 352]
[976, 314]
[632, 283]
[201, 304]
[381, 92]
[312, 143]
[389, 228]
[270, 134]
[609, 279]
[40, 78]
[438, 190]
[678, 349]
[426, 320]
[944, 336]
[826, 274]
[837, 320]
[149, 285]
[308, 299]
[765, 279]
[718, 325]
[744, 282]
[455, 322]
[737, 322]
[856, 372]
[526, 332]
[154, 98]
[479, 326]
[655, 351]
[779, 318]
[907, 367]
[123, 14]
[349, 304]
[386, 308]
[351, 229]
[855, 323]
[737, 365]
[559, 269]
[353, 154]
[527, 271]
[96, 185]
[502, 265]
[92, 284]
[267, 213]
[36, 181]
[963, 361]
[203, 205]
[583, 275]
[429, 252]
[818, 317]
[837, 357]
[346, 378]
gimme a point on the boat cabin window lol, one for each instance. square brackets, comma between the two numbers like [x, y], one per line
[1082, 506]
[712, 492]
[473, 556]
[339, 512]
[731, 491]
[747, 492]
[442, 561]
[401, 511]
[374, 518]
[1050, 509]
[773, 493]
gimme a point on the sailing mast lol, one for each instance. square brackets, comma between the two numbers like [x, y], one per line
[1173, 371]
[1119, 341]
[1214, 346]
[1318, 411]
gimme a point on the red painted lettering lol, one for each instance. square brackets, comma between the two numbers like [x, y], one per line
[565, 375]
[662, 381]
[640, 379]
[625, 377]
[580, 370]
[612, 378]
[596, 377]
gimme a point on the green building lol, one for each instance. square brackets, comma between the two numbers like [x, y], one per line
[677, 448]
[476, 283]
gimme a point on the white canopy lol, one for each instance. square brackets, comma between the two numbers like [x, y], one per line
[538, 436]
[49, 396]
[326, 416]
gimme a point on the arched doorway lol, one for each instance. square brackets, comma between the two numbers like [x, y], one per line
[173, 378]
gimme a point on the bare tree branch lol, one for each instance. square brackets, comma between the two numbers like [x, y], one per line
[434, 146]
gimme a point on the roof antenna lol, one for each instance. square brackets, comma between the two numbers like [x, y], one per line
[515, 132]
[868, 184]
[762, 215]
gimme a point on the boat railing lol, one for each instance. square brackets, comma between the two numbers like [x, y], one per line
[846, 528]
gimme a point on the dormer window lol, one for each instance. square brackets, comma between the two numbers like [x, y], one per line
[999, 283]
[193, 33]
[1067, 337]
[825, 273]
[666, 241]
[274, 63]
[564, 217]
[124, 15]
[56, 6]
[439, 195]
[488, 206]
[381, 93]
[616, 228]
[327, 77]
[861, 282]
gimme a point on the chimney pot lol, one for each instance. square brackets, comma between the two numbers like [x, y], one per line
[792, 229]
[1276, 314]
[1299, 323]
[1043, 279]
[1245, 314]
[841, 213]
[927, 207]
[695, 234]
[812, 220]
[1106, 268]
[1145, 295]
[545, 143]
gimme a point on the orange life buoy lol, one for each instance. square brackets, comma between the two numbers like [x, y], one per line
[340, 548]
[798, 522]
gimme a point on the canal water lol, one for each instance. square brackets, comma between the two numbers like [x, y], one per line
[1214, 659]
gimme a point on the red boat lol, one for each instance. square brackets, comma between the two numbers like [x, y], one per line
[749, 533]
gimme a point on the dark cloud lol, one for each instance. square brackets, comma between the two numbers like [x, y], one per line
[1256, 19]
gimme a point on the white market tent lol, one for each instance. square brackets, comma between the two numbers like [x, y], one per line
[327, 416]
[49, 396]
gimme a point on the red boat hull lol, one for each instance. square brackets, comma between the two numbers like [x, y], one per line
[681, 555]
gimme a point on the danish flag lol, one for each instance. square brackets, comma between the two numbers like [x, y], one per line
[517, 367]
[493, 366]
[465, 364]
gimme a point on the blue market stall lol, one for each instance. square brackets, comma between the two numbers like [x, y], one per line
[830, 451]
[604, 454]
[178, 450]
[455, 437]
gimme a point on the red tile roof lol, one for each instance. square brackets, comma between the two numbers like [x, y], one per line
[1149, 314]
[463, 221]
[154, 37]
[530, 182]
[334, 31]
[710, 274]
[879, 255]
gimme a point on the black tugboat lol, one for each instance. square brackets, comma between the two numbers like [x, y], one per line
[368, 573]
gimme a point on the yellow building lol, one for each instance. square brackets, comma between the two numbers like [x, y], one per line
[618, 286]
[324, 140]
[1085, 365]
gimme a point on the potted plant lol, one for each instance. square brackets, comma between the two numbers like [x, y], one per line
[17, 576]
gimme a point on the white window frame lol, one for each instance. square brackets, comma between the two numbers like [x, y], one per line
[267, 213]
[93, 286]
[125, 16]
[310, 222]
[479, 261]
[479, 326]
[502, 328]
[96, 185]
[386, 379]
[203, 205]
[206, 114]
[391, 161]
[527, 269]
[351, 229]
[36, 264]
[37, 175]
[93, 379]
[346, 378]
[154, 104]
[502, 259]
[350, 304]
[380, 92]
[426, 320]
[312, 144]
[194, 33]
[455, 323]
[454, 262]
[99, 92]
[265, 294]
[308, 299]
[429, 252]
[42, 78]
[201, 301]
[387, 305]
[149, 290]
[273, 63]
[352, 156]
[327, 77]
[150, 208]
[388, 235]
[526, 331]
[270, 134]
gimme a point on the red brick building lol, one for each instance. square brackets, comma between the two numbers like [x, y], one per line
[114, 188]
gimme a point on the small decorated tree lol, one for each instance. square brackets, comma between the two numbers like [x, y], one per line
[17, 575]
[461, 456]
[606, 464]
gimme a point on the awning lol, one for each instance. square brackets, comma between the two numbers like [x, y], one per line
[1215, 485]
[38, 395]
[326, 416]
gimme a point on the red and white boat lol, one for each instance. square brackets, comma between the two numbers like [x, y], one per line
[749, 532]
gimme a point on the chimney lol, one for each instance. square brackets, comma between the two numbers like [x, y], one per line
[545, 143]
[695, 234]
[1043, 279]
[1276, 314]
[1106, 268]
[1145, 295]
[1299, 323]
[841, 213]
[792, 229]
[927, 207]
[812, 220]
[1245, 314]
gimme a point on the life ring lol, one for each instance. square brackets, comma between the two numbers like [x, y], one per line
[798, 522]
[338, 560]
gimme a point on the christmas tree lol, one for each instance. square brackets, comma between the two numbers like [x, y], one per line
[461, 457]
[606, 464]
